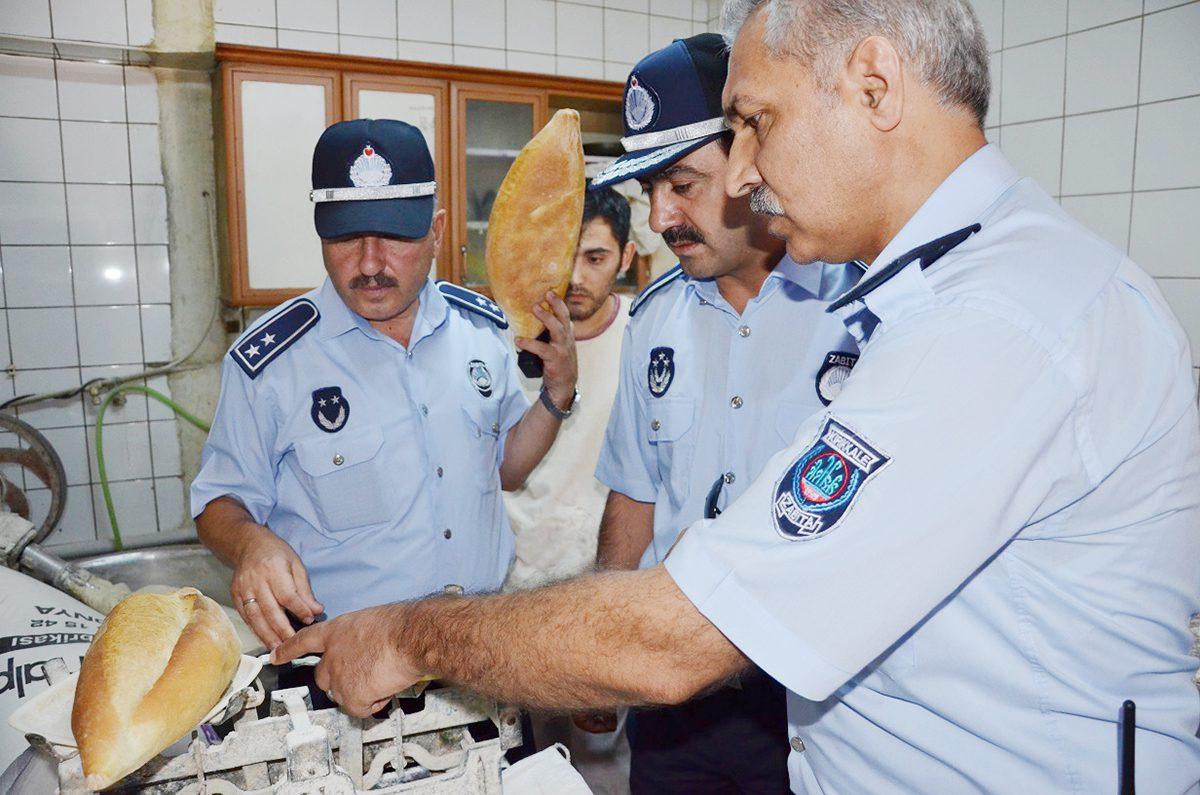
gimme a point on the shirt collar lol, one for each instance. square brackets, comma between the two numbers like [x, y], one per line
[958, 202]
[337, 318]
[817, 279]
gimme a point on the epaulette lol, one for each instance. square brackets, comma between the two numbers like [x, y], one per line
[473, 302]
[928, 254]
[654, 286]
[262, 345]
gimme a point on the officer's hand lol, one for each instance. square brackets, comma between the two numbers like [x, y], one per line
[559, 367]
[361, 665]
[596, 722]
[269, 577]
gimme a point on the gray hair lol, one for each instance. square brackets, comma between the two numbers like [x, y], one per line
[941, 39]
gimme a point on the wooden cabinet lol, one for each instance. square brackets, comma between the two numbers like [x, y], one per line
[274, 105]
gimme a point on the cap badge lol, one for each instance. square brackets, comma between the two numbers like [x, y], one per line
[370, 169]
[641, 106]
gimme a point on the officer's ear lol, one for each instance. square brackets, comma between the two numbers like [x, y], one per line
[627, 255]
[438, 227]
[873, 80]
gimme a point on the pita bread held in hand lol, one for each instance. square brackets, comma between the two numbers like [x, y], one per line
[534, 226]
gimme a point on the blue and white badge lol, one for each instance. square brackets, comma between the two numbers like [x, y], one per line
[835, 369]
[330, 409]
[641, 105]
[815, 493]
[481, 377]
[661, 372]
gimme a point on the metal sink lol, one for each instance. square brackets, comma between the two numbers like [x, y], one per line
[177, 566]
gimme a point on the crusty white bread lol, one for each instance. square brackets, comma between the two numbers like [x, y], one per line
[156, 667]
[534, 226]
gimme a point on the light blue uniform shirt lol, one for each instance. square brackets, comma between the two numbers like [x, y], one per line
[403, 498]
[706, 393]
[991, 538]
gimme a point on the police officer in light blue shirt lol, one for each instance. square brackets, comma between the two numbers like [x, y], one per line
[365, 429]
[724, 356]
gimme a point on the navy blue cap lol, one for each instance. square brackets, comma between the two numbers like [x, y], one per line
[372, 177]
[672, 106]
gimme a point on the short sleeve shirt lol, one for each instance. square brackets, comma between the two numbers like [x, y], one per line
[706, 394]
[991, 538]
[378, 464]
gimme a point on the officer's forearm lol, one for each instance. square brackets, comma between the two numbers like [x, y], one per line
[617, 638]
[527, 444]
[227, 529]
[626, 529]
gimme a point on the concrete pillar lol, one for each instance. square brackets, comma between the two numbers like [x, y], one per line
[183, 44]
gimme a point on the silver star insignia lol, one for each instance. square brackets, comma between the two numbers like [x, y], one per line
[333, 399]
[321, 402]
[252, 351]
[268, 339]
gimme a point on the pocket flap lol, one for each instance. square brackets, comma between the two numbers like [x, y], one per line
[339, 452]
[483, 421]
[669, 418]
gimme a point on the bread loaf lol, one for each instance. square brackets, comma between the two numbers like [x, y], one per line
[534, 226]
[157, 665]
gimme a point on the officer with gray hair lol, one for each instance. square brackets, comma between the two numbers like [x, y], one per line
[987, 542]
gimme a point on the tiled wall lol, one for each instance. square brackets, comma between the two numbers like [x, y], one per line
[582, 38]
[1099, 100]
[84, 281]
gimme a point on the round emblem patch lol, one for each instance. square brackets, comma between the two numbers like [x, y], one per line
[641, 105]
[834, 371]
[370, 169]
[481, 377]
[823, 479]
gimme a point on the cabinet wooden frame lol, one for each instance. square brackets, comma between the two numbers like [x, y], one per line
[240, 291]
[343, 77]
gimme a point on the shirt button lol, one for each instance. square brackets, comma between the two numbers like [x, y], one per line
[424, 410]
[338, 460]
[439, 472]
[736, 401]
[495, 427]
[453, 590]
[743, 331]
[797, 745]
[655, 425]
[446, 533]
[729, 478]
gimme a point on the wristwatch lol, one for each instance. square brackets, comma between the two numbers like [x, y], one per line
[544, 396]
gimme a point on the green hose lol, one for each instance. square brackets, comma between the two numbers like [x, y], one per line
[118, 545]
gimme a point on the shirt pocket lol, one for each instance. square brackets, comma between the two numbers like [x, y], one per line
[347, 478]
[673, 439]
[482, 424]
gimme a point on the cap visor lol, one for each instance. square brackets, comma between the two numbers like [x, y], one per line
[646, 162]
[395, 217]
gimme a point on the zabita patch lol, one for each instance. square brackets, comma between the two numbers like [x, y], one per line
[817, 490]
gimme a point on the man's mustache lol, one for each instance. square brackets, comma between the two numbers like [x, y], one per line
[682, 234]
[379, 280]
[764, 202]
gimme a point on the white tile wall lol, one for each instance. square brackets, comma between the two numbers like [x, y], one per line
[104, 21]
[1120, 81]
[600, 39]
[84, 273]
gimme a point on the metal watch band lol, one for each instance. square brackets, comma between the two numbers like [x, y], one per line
[544, 396]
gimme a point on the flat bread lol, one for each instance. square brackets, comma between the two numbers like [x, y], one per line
[534, 226]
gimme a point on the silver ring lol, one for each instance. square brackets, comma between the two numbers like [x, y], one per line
[249, 601]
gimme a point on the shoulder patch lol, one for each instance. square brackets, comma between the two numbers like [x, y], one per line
[821, 486]
[473, 302]
[653, 287]
[262, 345]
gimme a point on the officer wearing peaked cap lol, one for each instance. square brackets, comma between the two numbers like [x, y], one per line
[365, 429]
[723, 358]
